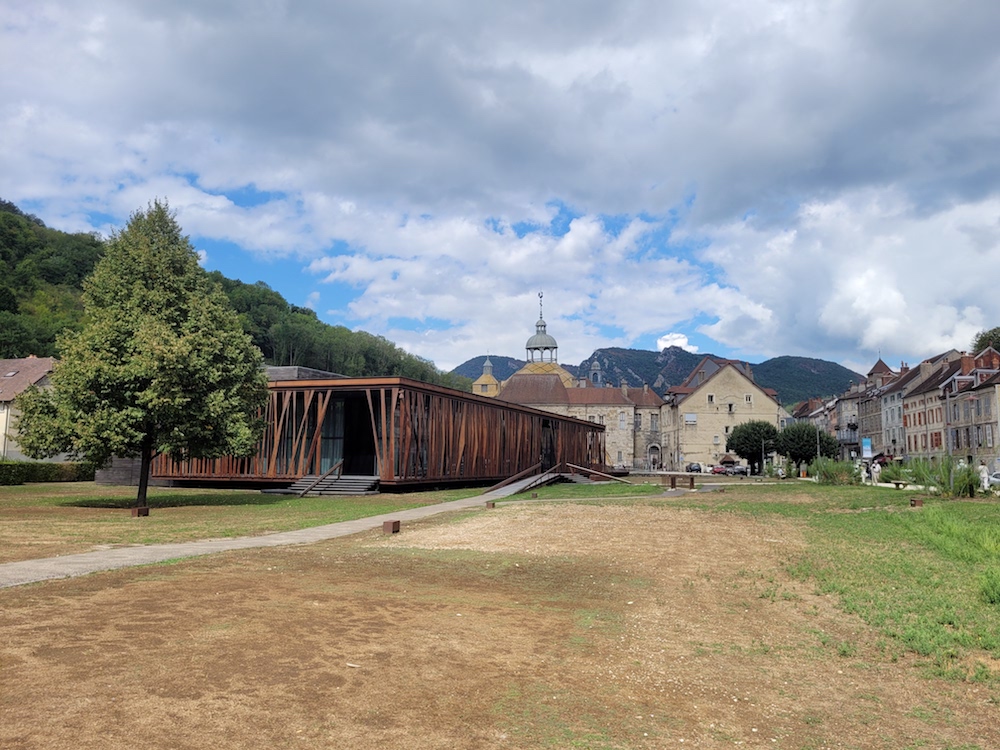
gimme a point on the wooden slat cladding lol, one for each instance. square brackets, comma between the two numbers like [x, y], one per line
[418, 434]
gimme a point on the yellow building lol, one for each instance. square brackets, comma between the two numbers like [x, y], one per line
[700, 413]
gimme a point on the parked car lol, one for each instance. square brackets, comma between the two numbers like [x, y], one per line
[738, 470]
[719, 470]
[696, 468]
[995, 479]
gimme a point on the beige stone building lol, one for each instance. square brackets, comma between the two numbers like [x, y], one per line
[699, 414]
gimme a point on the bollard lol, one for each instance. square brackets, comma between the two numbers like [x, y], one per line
[490, 504]
[673, 482]
[390, 527]
[691, 483]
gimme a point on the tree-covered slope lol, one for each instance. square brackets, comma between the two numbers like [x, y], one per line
[42, 278]
[799, 378]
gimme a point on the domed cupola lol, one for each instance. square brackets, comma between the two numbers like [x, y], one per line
[541, 347]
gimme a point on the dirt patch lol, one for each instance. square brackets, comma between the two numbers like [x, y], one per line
[548, 625]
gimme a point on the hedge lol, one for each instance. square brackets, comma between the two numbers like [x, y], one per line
[22, 472]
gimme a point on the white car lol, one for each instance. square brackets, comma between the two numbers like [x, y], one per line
[995, 479]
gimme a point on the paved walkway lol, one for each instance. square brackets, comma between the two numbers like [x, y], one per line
[67, 566]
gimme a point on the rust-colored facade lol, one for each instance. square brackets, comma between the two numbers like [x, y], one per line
[403, 431]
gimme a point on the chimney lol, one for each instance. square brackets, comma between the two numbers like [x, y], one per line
[624, 388]
[645, 387]
[968, 364]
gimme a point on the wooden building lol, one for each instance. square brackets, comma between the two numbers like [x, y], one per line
[405, 432]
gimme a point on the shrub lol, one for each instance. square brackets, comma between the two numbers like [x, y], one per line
[829, 471]
[13, 472]
[22, 472]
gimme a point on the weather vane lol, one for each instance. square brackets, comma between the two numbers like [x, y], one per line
[540, 316]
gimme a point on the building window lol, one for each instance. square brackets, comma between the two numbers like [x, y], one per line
[711, 398]
[600, 419]
[619, 457]
[621, 420]
[690, 419]
[638, 422]
[748, 398]
[654, 422]
[732, 408]
[989, 434]
[715, 439]
[727, 429]
[591, 418]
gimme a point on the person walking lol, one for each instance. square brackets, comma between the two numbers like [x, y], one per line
[984, 476]
[876, 472]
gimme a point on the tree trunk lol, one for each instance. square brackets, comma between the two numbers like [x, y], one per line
[146, 459]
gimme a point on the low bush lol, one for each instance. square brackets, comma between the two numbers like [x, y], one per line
[24, 472]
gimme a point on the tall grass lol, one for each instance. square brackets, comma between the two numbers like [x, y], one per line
[829, 471]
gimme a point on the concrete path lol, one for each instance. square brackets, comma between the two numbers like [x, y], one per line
[67, 566]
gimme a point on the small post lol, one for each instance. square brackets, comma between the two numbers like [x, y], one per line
[491, 504]
[140, 512]
[673, 482]
[390, 527]
[916, 502]
[690, 483]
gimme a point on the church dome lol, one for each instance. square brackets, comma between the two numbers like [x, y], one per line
[541, 340]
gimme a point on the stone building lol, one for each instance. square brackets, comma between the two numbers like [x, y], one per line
[699, 414]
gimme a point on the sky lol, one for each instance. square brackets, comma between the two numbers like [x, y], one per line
[746, 178]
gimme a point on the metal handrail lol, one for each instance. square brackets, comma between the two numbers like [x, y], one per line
[335, 468]
[515, 477]
[598, 473]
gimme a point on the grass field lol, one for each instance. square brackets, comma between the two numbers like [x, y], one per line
[45, 520]
[788, 615]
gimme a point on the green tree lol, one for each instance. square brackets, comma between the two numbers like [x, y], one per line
[751, 440]
[161, 365]
[798, 442]
[986, 338]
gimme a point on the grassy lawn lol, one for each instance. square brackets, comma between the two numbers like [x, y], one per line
[928, 578]
[45, 520]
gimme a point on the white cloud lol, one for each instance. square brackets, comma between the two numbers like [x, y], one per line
[675, 339]
[830, 172]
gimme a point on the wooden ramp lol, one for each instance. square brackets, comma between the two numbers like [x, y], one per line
[530, 483]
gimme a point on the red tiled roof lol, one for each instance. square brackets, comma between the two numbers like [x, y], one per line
[531, 389]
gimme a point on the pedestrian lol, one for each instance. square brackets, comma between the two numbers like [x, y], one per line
[984, 476]
[876, 472]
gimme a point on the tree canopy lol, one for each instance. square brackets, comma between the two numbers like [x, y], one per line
[986, 338]
[41, 274]
[161, 365]
[798, 442]
[751, 440]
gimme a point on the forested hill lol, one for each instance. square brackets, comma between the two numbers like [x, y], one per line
[41, 277]
[794, 378]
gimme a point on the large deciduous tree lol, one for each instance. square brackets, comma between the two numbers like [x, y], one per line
[162, 364]
[751, 440]
[798, 442]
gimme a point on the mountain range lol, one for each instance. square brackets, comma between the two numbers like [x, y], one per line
[796, 379]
